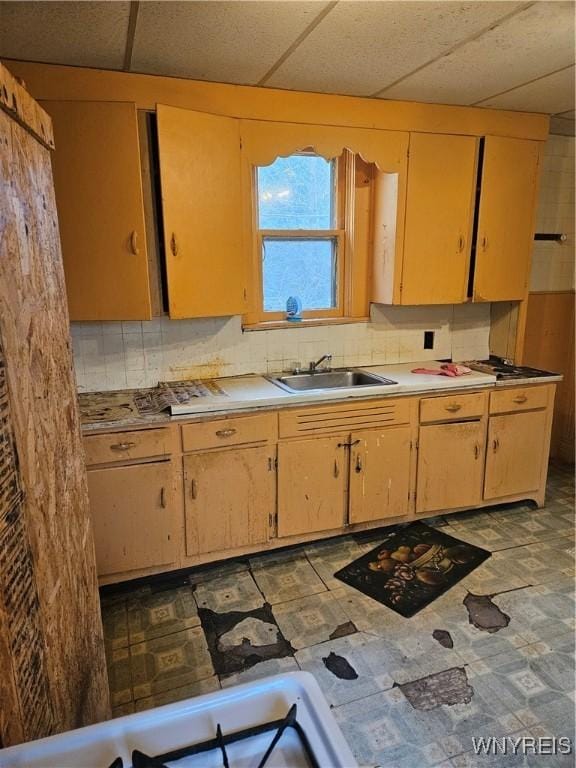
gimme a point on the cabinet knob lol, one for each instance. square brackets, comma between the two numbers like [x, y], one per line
[194, 489]
[358, 467]
[163, 497]
[476, 451]
[226, 432]
[520, 399]
[134, 243]
[453, 407]
[122, 446]
[336, 469]
[484, 243]
[495, 444]
[461, 244]
[174, 244]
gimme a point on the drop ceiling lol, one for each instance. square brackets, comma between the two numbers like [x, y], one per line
[508, 55]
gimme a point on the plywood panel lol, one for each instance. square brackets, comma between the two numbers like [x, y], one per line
[101, 210]
[44, 420]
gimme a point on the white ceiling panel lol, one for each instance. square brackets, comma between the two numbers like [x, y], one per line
[532, 43]
[361, 47]
[86, 34]
[554, 93]
[234, 42]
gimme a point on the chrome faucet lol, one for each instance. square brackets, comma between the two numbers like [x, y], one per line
[314, 365]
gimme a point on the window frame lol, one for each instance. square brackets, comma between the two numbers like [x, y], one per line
[342, 209]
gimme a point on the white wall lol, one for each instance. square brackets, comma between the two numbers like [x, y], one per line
[111, 356]
[553, 263]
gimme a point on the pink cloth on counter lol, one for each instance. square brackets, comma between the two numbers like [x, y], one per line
[446, 369]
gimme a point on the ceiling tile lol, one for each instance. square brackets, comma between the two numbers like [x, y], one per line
[234, 42]
[361, 47]
[530, 44]
[554, 93]
[86, 34]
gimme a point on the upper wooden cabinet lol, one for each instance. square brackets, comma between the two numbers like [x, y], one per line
[99, 196]
[200, 170]
[505, 218]
[439, 218]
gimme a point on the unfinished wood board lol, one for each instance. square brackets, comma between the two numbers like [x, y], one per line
[44, 419]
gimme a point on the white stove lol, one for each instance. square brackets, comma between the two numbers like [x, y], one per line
[277, 722]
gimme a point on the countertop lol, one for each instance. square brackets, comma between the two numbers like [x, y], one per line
[107, 410]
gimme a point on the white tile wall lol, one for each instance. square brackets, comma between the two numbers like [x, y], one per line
[553, 263]
[139, 354]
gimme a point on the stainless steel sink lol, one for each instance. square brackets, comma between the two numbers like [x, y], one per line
[341, 378]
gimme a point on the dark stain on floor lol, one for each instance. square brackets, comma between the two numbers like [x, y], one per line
[240, 639]
[484, 614]
[349, 628]
[339, 666]
[448, 687]
[444, 638]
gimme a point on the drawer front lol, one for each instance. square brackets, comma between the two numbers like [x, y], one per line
[453, 408]
[520, 399]
[326, 419]
[124, 446]
[223, 432]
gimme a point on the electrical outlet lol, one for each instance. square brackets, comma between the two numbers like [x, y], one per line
[428, 339]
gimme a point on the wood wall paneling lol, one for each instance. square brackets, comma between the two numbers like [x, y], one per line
[549, 344]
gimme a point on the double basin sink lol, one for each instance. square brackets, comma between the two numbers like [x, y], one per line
[339, 378]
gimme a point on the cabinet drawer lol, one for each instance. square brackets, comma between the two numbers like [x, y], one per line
[453, 408]
[519, 399]
[124, 446]
[356, 415]
[223, 432]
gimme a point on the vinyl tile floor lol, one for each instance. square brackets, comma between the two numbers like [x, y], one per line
[407, 693]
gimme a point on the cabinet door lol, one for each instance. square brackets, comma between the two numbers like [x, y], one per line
[311, 485]
[379, 474]
[516, 445]
[202, 208]
[229, 499]
[135, 516]
[100, 209]
[450, 466]
[506, 219]
[439, 216]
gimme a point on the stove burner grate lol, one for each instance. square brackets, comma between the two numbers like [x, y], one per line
[221, 741]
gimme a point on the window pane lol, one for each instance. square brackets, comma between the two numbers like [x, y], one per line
[296, 192]
[299, 267]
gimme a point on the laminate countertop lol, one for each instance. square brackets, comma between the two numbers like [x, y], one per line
[131, 407]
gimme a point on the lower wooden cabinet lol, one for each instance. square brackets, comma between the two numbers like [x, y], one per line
[450, 465]
[135, 517]
[229, 499]
[311, 485]
[516, 446]
[379, 474]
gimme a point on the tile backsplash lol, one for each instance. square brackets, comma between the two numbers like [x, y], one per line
[120, 355]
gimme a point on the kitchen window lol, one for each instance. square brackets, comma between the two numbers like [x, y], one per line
[300, 235]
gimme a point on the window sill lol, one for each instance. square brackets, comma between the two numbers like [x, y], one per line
[305, 323]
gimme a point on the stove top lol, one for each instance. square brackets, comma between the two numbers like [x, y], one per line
[505, 371]
[275, 722]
